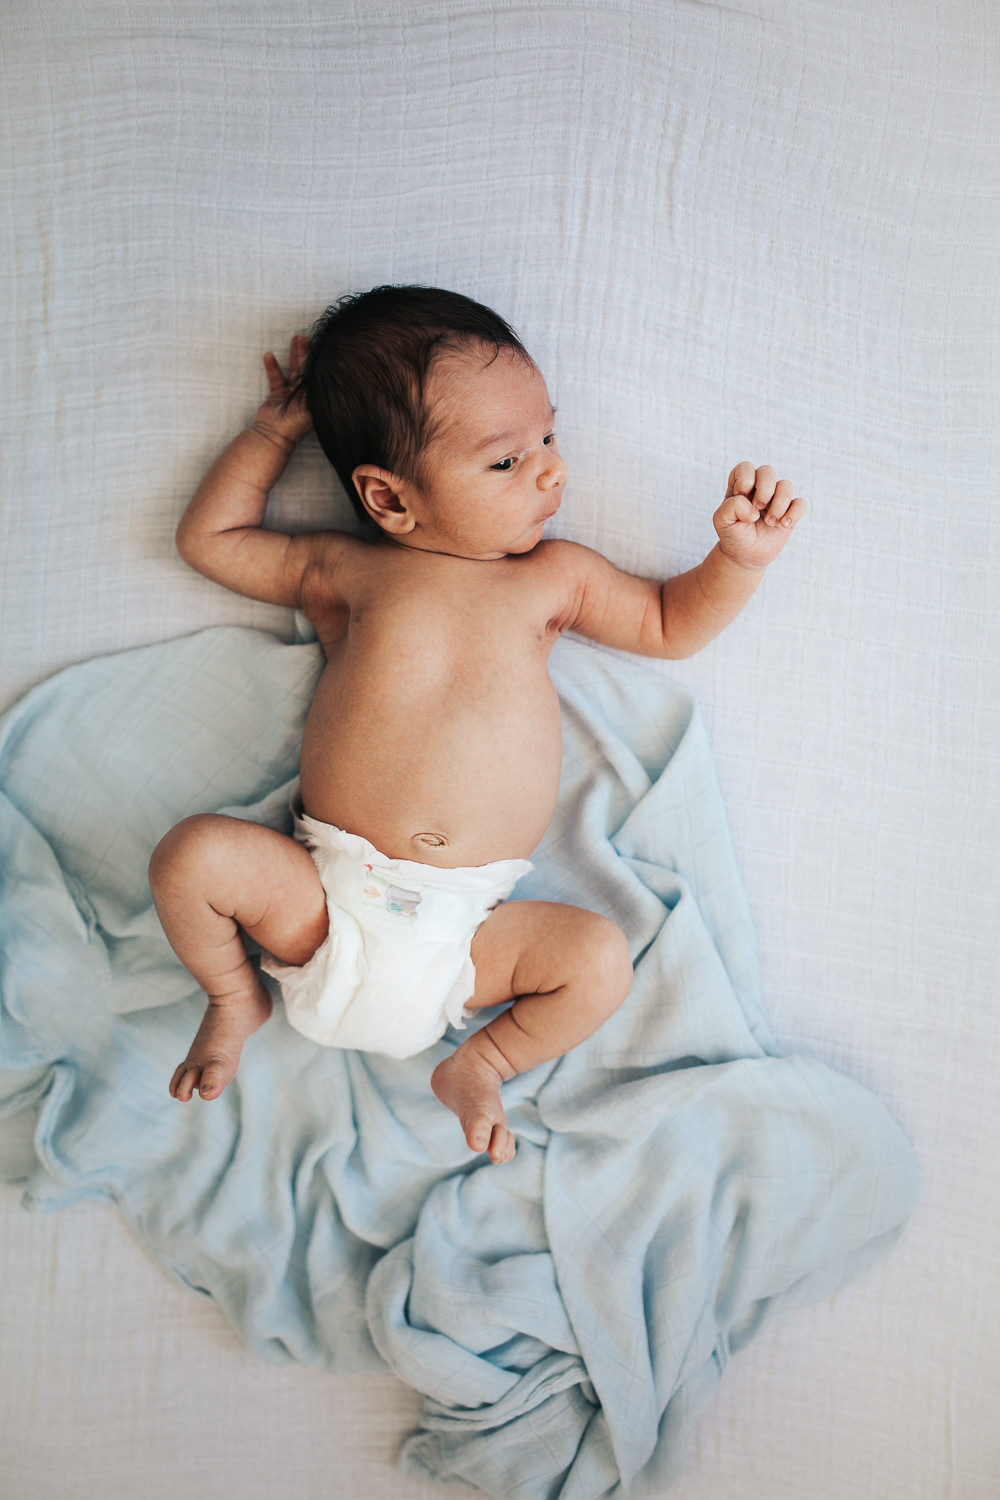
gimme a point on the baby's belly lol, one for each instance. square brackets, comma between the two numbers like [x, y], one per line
[448, 781]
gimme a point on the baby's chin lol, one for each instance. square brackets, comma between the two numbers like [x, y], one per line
[529, 541]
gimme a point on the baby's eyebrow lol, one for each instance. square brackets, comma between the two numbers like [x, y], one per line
[496, 439]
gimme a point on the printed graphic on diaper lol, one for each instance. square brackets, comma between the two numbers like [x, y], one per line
[380, 893]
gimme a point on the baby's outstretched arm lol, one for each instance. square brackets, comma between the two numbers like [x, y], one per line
[676, 618]
[220, 533]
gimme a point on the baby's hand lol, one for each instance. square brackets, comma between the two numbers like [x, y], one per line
[277, 416]
[757, 516]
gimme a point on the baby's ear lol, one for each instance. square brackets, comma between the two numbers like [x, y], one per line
[383, 496]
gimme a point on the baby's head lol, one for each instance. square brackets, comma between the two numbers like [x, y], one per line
[377, 411]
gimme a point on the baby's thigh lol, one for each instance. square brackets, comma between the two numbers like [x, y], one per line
[536, 947]
[264, 880]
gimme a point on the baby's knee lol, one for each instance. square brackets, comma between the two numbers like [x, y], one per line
[187, 849]
[607, 960]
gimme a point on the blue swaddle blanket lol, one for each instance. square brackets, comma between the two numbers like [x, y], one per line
[568, 1316]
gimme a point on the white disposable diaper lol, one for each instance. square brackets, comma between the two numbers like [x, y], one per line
[394, 971]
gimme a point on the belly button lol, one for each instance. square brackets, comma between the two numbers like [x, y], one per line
[431, 840]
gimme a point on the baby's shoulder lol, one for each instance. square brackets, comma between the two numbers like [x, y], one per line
[560, 572]
[563, 554]
[566, 564]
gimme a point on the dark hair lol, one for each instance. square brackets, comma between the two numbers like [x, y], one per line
[366, 369]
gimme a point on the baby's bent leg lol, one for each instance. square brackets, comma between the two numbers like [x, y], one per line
[211, 876]
[566, 970]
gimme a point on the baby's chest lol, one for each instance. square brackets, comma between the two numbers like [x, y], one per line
[471, 617]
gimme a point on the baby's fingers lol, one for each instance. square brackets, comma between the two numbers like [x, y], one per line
[733, 509]
[759, 484]
[793, 515]
[275, 378]
[297, 351]
[765, 482]
[780, 499]
[741, 479]
[790, 513]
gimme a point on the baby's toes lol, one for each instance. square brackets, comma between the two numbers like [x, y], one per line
[184, 1082]
[478, 1131]
[502, 1145]
[214, 1077]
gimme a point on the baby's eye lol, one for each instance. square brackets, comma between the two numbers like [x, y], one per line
[504, 466]
[549, 439]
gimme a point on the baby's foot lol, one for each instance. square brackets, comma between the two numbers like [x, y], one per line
[470, 1086]
[214, 1054]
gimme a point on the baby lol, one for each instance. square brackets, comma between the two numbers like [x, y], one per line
[431, 752]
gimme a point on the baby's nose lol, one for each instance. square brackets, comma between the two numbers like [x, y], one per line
[552, 473]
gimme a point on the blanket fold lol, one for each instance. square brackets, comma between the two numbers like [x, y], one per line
[568, 1316]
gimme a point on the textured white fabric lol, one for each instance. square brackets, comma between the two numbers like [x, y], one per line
[764, 230]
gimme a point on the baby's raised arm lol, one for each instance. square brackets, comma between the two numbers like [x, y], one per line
[220, 533]
[676, 618]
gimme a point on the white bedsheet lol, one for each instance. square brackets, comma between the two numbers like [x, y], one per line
[765, 230]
